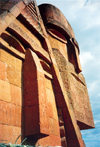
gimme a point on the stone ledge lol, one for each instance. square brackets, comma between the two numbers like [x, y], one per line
[10, 49]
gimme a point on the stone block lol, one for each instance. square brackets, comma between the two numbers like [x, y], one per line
[5, 91]
[3, 23]
[9, 18]
[44, 124]
[15, 11]
[55, 43]
[51, 140]
[6, 19]
[15, 115]
[48, 83]
[10, 114]
[3, 112]
[18, 116]
[7, 58]
[18, 64]
[41, 88]
[14, 67]
[16, 94]
[50, 112]
[9, 134]
[34, 81]
[51, 104]
[54, 127]
[21, 5]
[3, 74]
[80, 102]
[36, 121]
[13, 76]
[50, 96]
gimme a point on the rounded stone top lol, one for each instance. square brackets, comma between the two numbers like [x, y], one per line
[53, 17]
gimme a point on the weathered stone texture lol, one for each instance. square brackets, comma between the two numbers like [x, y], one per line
[3, 74]
[34, 96]
[9, 133]
[43, 95]
[10, 97]
[76, 90]
[13, 67]
[52, 14]
[58, 45]
[5, 91]
[16, 95]
[10, 114]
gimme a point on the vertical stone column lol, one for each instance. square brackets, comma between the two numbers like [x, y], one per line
[35, 116]
[72, 128]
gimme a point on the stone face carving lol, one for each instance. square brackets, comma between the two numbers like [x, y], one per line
[43, 94]
[66, 52]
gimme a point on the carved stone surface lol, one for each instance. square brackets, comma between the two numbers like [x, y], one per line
[43, 94]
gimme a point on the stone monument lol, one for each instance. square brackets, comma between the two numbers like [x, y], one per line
[43, 94]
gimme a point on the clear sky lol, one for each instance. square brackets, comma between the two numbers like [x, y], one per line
[84, 17]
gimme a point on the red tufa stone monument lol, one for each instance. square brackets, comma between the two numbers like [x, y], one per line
[43, 94]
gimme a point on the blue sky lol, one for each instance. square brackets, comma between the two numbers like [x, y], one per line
[84, 17]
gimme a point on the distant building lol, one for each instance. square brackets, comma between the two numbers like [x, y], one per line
[43, 94]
